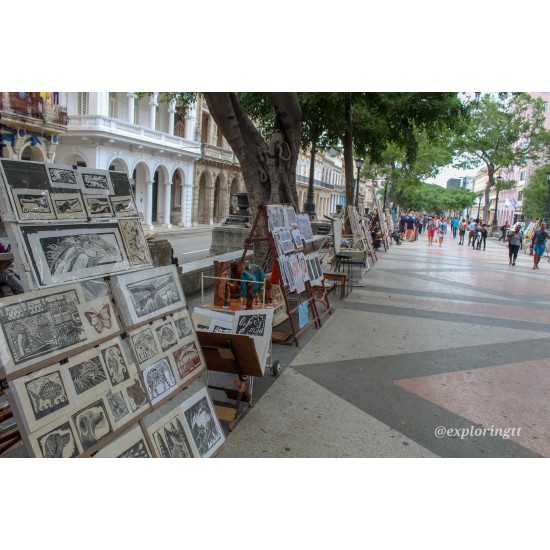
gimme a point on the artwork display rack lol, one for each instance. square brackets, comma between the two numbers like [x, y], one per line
[383, 224]
[272, 256]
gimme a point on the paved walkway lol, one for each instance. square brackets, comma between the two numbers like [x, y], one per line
[444, 352]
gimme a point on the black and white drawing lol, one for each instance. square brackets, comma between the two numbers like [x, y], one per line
[137, 450]
[130, 444]
[144, 345]
[297, 238]
[203, 424]
[290, 216]
[147, 295]
[118, 406]
[116, 364]
[121, 184]
[124, 207]
[187, 359]
[159, 379]
[33, 204]
[58, 442]
[171, 440]
[275, 216]
[46, 394]
[305, 227]
[92, 424]
[21, 174]
[63, 176]
[68, 206]
[166, 335]
[74, 252]
[184, 325]
[98, 207]
[252, 325]
[41, 327]
[96, 181]
[136, 395]
[87, 374]
[137, 248]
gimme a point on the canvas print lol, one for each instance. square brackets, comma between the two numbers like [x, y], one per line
[118, 405]
[187, 359]
[137, 248]
[74, 252]
[166, 335]
[137, 397]
[92, 424]
[183, 324]
[40, 327]
[121, 184]
[144, 345]
[115, 362]
[170, 438]
[98, 207]
[204, 427]
[61, 175]
[20, 174]
[86, 372]
[159, 379]
[124, 207]
[96, 181]
[68, 206]
[130, 444]
[56, 440]
[147, 295]
[33, 204]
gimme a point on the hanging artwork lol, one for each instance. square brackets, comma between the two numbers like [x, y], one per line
[68, 206]
[61, 175]
[98, 207]
[56, 440]
[19, 174]
[144, 345]
[92, 423]
[87, 375]
[96, 181]
[124, 207]
[137, 397]
[187, 358]
[100, 319]
[121, 184]
[169, 436]
[204, 427]
[134, 240]
[258, 325]
[149, 294]
[116, 363]
[276, 216]
[74, 252]
[130, 444]
[183, 323]
[33, 204]
[166, 335]
[297, 238]
[279, 309]
[159, 379]
[305, 227]
[118, 406]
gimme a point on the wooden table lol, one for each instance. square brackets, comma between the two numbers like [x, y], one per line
[338, 278]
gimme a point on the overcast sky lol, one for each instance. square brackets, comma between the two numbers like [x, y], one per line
[450, 172]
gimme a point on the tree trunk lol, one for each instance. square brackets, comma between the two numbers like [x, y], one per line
[490, 183]
[269, 169]
[347, 142]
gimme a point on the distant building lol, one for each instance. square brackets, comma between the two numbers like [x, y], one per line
[454, 183]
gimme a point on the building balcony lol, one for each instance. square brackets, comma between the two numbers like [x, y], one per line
[31, 110]
[316, 183]
[219, 154]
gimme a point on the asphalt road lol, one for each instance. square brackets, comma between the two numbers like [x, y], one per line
[191, 247]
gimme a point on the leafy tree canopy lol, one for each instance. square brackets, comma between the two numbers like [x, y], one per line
[431, 198]
[536, 194]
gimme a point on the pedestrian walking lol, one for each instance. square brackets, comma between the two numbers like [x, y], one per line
[454, 226]
[514, 244]
[472, 232]
[430, 228]
[441, 230]
[462, 231]
[538, 242]
[504, 230]
[484, 232]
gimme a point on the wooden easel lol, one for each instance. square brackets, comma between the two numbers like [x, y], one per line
[231, 354]
[273, 256]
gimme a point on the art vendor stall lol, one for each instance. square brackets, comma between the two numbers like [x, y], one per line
[99, 352]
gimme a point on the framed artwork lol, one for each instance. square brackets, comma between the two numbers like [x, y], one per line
[68, 206]
[275, 216]
[99, 318]
[290, 216]
[33, 204]
[182, 322]
[19, 174]
[205, 431]
[131, 444]
[148, 294]
[297, 238]
[98, 207]
[166, 335]
[136, 395]
[86, 375]
[121, 184]
[144, 345]
[74, 252]
[137, 248]
[120, 410]
[117, 365]
[41, 327]
[169, 436]
[96, 182]
[92, 423]
[159, 379]
[56, 440]
[124, 207]
[42, 396]
[305, 227]
[65, 176]
[258, 325]
[187, 358]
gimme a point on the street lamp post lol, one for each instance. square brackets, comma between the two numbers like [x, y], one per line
[495, 218]
[359, 164]
[547, 213]
[479, 204]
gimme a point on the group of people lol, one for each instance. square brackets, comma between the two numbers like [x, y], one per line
[536, 234]
[412, 224]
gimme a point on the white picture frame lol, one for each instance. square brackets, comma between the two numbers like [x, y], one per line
[68, 206]
[96, 182]
[63, 176]
[98, 206]
[33, 204]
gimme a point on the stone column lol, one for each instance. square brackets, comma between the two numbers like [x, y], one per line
[149, 205]
[131, 106]
[171, 115]
[153, 106]
[190, 123]
[167, 200]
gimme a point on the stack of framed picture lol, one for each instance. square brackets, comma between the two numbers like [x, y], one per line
[100, 349]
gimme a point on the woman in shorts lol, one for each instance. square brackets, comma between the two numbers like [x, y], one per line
[431, 230]
[539, 244]
[441, 230]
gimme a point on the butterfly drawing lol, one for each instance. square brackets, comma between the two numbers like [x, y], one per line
[100, 320]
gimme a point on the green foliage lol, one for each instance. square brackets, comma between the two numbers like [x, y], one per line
[435, 199]
[536, 194]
